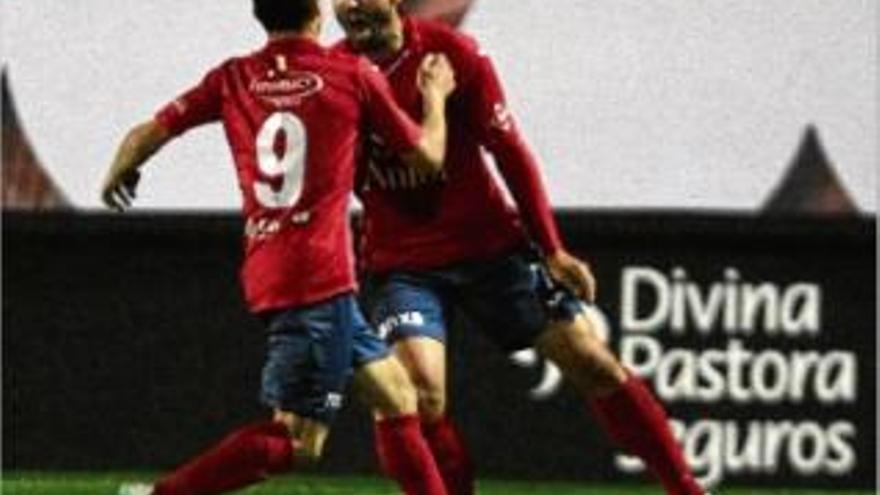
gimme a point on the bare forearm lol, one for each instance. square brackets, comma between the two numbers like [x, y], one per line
[139, 145]
[436, 82]
[430, 152]
[435, 132]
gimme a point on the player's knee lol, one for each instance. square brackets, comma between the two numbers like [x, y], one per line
[386, 388]
[402, 397]
[584, 359]
[432, 404]
[431, 394]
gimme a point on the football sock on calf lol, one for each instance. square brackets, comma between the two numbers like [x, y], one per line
[634, 419]
[405, 457]
[246, 456]
[451, 454]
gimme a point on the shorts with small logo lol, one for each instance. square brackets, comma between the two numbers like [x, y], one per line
[511, 299]
[311, 353]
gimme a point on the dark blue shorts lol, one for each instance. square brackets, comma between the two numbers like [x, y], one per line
[311, 352]
[511, 299]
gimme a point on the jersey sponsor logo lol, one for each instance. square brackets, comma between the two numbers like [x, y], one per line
[394, 178]
[261, 228]
[398, 177]
[290, 88]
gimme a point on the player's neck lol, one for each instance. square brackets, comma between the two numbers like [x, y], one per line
[311, 32]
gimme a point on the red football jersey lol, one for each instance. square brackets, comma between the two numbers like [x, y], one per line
[293, 113]
[414, 221]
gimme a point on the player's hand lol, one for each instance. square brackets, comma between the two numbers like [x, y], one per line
[573, 273]
[436, 78]
[120, 188]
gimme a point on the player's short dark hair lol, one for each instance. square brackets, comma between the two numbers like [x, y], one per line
[285, 15]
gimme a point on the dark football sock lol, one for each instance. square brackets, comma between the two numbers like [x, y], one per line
[246, 456]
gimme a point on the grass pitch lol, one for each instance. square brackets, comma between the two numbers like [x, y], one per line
[37, 483]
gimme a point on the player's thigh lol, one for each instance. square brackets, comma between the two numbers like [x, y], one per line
[584, 358]
[502, 297]
[518, 305]
[570, 339]
[425, 360]
[410, 312]
[309, 357]
[383, 385]
[380, 379]
[405, 304]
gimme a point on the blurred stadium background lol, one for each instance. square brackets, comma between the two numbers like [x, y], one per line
[126, 347]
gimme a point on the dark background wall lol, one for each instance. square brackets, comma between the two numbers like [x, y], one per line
[126, 344]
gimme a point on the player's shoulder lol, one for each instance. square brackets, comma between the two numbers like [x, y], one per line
[351, 64]
[235, 67]
[346, 59]
[219, 72]
[244, 58]
[329, 60]
[463, 50]
[237, 62]
[342, 48]
[439, 36]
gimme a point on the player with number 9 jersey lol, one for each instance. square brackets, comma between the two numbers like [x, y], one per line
[293, 114]
[295, 166]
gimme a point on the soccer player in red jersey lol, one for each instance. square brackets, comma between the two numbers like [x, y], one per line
[449, 241]
[293, 113]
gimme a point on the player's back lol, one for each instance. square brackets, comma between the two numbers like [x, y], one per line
[296, 169]
[292, 113]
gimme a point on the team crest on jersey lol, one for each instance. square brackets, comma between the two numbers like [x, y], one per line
[287, 88]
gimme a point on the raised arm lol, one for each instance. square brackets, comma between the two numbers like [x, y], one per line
[436, 81]
[139, 144]
[421, 147]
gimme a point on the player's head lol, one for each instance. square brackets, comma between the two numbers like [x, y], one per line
[370, 25]
[286, 15]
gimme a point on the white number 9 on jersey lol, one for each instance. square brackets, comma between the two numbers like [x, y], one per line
[289, 166]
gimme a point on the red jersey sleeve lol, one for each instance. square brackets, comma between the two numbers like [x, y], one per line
[384, 115]
[500, 135]
[199, 105]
